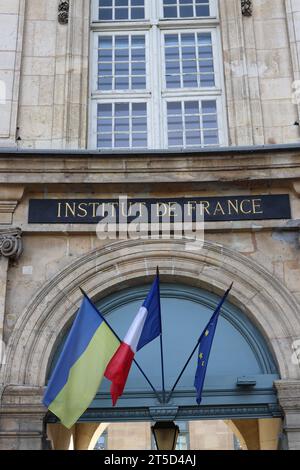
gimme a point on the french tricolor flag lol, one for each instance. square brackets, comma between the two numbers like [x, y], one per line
[145, 327]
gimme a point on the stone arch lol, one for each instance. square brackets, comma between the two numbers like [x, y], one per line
[264, 299]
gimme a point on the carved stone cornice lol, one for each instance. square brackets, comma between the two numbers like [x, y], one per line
[185, 413]
[10, 196]
[246, 7]
[63, 12]
[11, 243]
[288, 394]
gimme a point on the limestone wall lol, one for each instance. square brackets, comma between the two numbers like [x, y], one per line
[49, 102]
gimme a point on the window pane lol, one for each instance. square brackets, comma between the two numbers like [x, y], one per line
[175, 139]
[122, 140]
[122, 109]
[105, 83]
[170, 12]
[138, 41]
[139, 140]
[122, 42]
[104, 125]
[105, 14]
[193, 138]
[139, 125]
[104, 141]
[138, 83]
[192, 123]
[186, 11]
[202, 10]
[137, 13]
[121, 10]
[186, 8]
[104, 110]
[174, 108]
[209, 106]
[211, 138]
[122, 125]
[121, 14]
[139, 109]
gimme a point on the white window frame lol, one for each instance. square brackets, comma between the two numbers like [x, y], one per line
[114, 93]
[221, 129]
[216, 62]
[156, 94]
[213, 13]
[121, 100]
[95, 9]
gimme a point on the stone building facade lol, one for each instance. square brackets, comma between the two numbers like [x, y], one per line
[50, 150]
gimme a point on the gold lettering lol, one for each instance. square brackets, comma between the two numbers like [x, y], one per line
[71, 209]
[257, 205]
[82, 209]
[244, 211]
[124, 209]
[191, 207]
[94, 206]
[161, 206]
[172, 208]
[219, 208]
[130, 207]
[114, 205]
[206, 206]
[233, 205]
[59, 210]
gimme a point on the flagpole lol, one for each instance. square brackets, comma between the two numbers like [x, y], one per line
[113, 331]
[161, 343]
[193, 352]
[185, 366]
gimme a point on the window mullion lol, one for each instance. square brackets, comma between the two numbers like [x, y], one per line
[156, 82]
[183, 123]
[155, 95]
[201, 123]
[130, 125]
[180, 59]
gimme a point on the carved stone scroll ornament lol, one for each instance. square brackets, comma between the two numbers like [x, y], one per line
[63, 12]
[11, 243]
[247, 7]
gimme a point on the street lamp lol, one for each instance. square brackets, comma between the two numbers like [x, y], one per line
[165, 435]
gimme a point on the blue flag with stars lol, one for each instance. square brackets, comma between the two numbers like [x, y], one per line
[205, 344]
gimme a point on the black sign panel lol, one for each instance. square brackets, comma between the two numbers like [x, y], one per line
[215, 209]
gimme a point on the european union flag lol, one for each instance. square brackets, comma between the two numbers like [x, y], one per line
[205, 344]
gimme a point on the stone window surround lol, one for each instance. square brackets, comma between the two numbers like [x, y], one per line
[76, 34]
[156, 95]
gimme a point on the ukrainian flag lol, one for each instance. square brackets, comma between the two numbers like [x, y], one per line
[80, 368]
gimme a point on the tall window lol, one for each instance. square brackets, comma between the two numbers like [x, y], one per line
[156, 73]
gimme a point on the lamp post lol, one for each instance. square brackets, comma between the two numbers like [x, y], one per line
[165, 435]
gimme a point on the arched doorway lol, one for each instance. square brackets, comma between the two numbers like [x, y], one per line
[270, 307]
[240, 375]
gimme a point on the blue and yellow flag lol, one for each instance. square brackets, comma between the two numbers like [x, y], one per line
[205, 344]
[79, 371]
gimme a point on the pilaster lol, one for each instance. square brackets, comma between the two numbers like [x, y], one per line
[289, 399]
